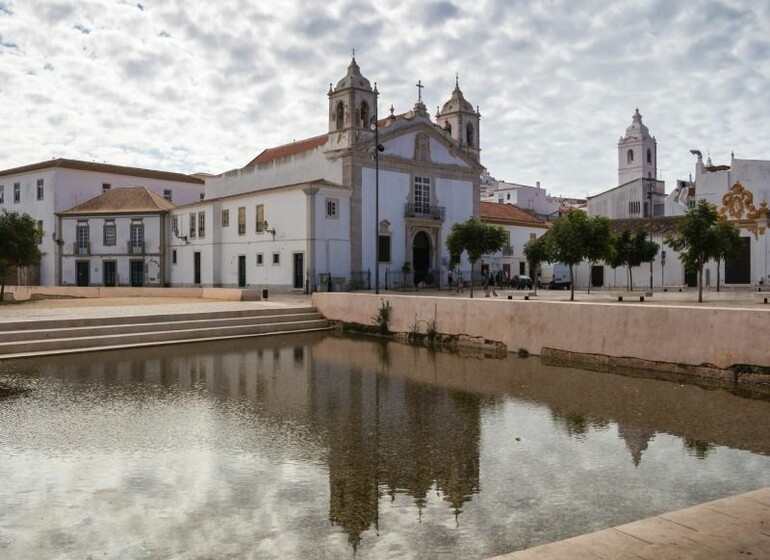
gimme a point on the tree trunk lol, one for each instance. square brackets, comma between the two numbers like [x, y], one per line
[471, 280]
[2, 290]
[536, 279]
[718, 273]
[700, 282]
[571, 283]
[630, 279]
[590, 274]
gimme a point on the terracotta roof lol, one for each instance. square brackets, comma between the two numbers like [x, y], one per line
[659, 225]
[494, 211]
[289, 149]
[124, 200]
[103, 168]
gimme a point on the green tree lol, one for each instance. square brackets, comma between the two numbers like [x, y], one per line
[631, 249]
[475, 238]
[696, 239]
[20, 237]
[536, 252]
[728, 243]
[598, 242]
[567, 241]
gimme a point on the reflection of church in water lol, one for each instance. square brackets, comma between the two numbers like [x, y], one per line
[389, 435]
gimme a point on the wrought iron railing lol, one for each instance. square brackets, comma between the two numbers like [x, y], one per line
[426, 212]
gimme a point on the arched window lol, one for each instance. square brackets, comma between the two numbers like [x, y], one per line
[469, 135]
[630, 156]
[448, 127]
[340, 115]
[364, 114]
[649, 155]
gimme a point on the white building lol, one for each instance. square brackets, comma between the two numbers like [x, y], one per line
[639, 194]
[43, 189]
[115, 239]
[533, 199]
[307, 214]
[521, 227]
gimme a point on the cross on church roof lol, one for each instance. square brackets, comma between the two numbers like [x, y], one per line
[419, 91]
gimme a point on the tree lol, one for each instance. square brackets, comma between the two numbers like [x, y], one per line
[20, 237]
[696, 239]
[475, 238]
[728, 243]
[567, 241]
[598, 243]
[631, 249]
[536, 252]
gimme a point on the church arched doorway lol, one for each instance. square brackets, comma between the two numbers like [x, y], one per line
[421, 257]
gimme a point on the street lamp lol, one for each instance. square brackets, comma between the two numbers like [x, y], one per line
[375, 126]
[650, 184]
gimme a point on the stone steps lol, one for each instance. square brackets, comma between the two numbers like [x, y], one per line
[53, 336]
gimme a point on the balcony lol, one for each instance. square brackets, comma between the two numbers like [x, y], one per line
[135, 248]
[508, 251]
[81, 248]
[424, 212]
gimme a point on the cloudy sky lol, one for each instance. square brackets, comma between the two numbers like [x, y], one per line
[205, 86]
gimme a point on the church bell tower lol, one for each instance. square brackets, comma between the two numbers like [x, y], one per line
[637, 153]
[352, 105]
[461, 121]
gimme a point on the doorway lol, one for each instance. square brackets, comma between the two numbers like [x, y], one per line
[136, 272]
[81, 272]
[110, 274]
[738, 270]
[241, 271]
[421, 257]
[299, 270]
[197, 267]
[597, 275]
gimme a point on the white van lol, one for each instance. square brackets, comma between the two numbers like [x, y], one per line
[554, 276]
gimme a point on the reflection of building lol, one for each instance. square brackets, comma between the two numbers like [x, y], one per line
[637, 439]
[390, 434]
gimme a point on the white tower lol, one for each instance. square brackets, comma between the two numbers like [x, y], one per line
[637, 153]
[351, 106]
[458, 117]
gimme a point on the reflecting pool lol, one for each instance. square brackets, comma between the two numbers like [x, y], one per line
[323, 447]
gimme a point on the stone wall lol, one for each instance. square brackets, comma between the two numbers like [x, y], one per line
[718, 338]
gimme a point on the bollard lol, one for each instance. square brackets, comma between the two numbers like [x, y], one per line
[510, 297]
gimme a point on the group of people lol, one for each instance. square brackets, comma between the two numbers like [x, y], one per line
[490, 282]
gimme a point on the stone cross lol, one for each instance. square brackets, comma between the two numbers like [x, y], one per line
[419, 91]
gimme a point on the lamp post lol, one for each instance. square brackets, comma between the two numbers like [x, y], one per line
[650, 183]
[375, 126]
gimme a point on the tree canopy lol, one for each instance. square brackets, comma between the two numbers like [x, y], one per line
[20, 237]
[696, 239]
[475, 238]
[536, 252]
[567, 240]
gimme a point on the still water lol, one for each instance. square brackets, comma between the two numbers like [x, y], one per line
[322, 447]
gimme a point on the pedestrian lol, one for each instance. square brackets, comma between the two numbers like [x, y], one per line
[485, 284]
[460, 282]
[450, 278]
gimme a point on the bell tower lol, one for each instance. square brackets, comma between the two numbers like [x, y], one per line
[352, 104]
[461, 121]
[637, 153]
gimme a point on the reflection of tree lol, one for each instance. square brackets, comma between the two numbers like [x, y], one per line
[577, 425]
[698, 448]
[392, 435]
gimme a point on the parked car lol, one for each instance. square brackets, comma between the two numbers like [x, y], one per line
[521, 282]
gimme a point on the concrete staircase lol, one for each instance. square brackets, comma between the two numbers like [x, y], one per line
[61, 336]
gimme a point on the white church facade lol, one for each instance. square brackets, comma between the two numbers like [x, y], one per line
[314, 214]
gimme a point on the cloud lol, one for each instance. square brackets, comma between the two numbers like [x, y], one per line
[82, 28]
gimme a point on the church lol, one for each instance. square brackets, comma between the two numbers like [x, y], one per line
[370, 201]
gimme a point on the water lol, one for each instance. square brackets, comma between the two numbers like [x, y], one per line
[321, 447]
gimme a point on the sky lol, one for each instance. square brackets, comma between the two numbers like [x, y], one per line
[201, 86]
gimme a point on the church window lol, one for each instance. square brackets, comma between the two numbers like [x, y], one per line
[630, 156]
[649, 155]
[422, 148]
[261, 225]
[448, 127]
[332, 206]
[340, 115]
[384, 248]
[364, 114]
[242, 220]
[469, 135]
[634, 207]
[422, 195]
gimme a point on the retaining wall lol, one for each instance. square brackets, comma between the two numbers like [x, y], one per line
[722, 337]
[19, 293]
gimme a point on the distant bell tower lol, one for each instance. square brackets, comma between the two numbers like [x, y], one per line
[351, 106]
[461, 121]
[637, 153]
